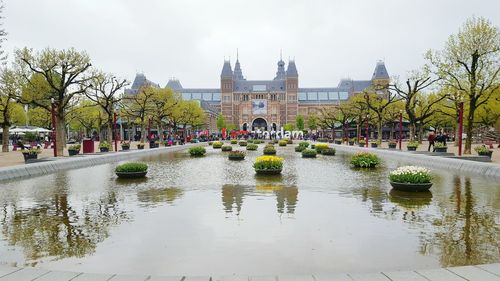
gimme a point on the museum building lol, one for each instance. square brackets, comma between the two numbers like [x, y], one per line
[266, 105]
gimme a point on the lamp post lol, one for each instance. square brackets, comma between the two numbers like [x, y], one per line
[54, 132]
[366, 136]
[114, 129]
[400, 128]
[460, 126]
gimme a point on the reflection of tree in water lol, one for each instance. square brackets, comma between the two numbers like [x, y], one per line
[286, 196]
[467, 235]
[369, 186]
[54, 228]
[232, 197]
[152, 197]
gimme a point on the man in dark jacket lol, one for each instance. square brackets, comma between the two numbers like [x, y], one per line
[431, 138]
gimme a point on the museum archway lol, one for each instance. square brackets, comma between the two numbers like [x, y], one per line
[259, 124]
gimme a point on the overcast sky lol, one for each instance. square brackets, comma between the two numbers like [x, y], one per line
[188, 39]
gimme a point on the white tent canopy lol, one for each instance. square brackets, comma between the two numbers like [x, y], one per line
[26, 129]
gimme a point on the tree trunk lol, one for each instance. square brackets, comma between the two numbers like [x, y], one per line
[109, 130]
[5, 138]
[379, 130]
[420, 133]
[412, 131]
[60, 135]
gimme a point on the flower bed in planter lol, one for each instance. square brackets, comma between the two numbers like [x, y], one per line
[217, 144]
[440, 147]
[210, 143]
[351, 142]
[104, 146]
[243, 143]
[392, 145]
[197, 151]
[283, 142]
[140, 145]
[226, 148]
[374, 144]
[412, 146]
[125, 146]
[268, 165]
[338, 142]
[304, 144]
[269, 150]
[328, 151]
[252, 146]
[411, 178]
[300, 148]
[289, 141]
[131, 170]
[365, 160]
[31, 153]
[234, 141]
[236, 155]
[483, 151]
[74, 149]
[309, 153]
[320, 146]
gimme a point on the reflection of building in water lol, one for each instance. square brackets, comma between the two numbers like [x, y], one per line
[286, 196]
[232, 196]
[155, 196]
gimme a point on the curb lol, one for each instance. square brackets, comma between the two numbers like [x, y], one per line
[473, 167]
[87, 160]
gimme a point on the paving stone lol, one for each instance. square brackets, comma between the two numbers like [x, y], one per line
[332, 277]
[58, 276]
[197, 278]
[92, 277]
[263, 278]
[295, 278]
[129, 278]
[473, 273]
[230, 278]
[493, 268]
[369, 277]
[439, 274]
[25, 274]
[166, 278]
[5, 269]
[404, 276]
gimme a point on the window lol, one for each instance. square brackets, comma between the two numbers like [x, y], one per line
[207, 96]
[216, 96]
[333, 95]
[323, 95]
[196, 96]
[312, 96]
[259, 88]
[186, 96]
[302, 96]
[343, 95]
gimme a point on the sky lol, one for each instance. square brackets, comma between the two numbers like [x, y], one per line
[189, 39]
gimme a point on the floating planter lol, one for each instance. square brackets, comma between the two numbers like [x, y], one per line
[236, 155]
[300, 148]
[217, 144]
[74, 149]
[234, 141]
[210, 143]
[268, 165]
[131, 170]
[31, 153]
[104, 146]
[243, 143]
[440, 147]
[411, 178]
[412, 146]
[269, 150]
[197, 151]
[328, 151]
[304, 144]
[252, 146]
[320, 146]
[309, 153]
[289, 141]
[226, 148]
[283, 142]
[365, 160]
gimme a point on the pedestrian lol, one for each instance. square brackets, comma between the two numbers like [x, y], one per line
[431, 138]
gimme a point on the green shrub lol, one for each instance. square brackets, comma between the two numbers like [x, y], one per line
[328, 151]
[412, 144]
[141, 144]
[440, 145]
[304, 144]
[410, 174]
[32, 150]
[210, 143]
[269, 150]
[217, 144]
[197, 151]
[234, 141]
[283, 142]
[252, 146]
[365, 160]
[243, 143]
[309, 153]
[226, 148]
[250, 141]
[236, 155]
[299, 148]
[105, 144]
[125, 144]
[482, 149]
[362, 141]
[131, 167]
[75, 147]
[320, 146]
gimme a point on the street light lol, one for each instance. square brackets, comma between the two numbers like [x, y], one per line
[400, 128]
[54, 132]
[460, 126]
[366, 136]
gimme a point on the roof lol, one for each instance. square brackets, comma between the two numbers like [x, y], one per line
[354, 85]
[227, 71]
[380, 71]
[238, 74]
[174, 84]
[291, 71]
[259, 86]
[280, 74]
[140, 81]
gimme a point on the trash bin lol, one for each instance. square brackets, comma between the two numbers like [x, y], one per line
[88, 146]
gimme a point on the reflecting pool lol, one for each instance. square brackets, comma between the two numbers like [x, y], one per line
[209, 215]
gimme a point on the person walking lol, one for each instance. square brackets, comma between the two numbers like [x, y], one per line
[431, 138]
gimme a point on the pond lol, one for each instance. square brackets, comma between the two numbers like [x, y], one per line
[209, 215]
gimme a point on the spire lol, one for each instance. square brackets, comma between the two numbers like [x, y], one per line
[238, 74]
[291, 71]
[280, 74]
[380, 71]
[174, 84]
[227, 71]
